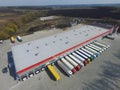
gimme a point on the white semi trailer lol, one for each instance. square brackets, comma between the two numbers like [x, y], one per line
[77, 66]
[89, 52]
[64, 68]
[71, 67]
[94, 48]
[97, 47]
[82, 55]
[88, 55]
[80, 58]
[76, 60]
[103, 45]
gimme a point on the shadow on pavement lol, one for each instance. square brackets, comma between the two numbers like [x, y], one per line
[60, 69]
[117, 54]
[108, 78]
[108, 37]
[11, 65]
[49, 74]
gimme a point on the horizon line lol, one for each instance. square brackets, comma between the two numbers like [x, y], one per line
[60, 5]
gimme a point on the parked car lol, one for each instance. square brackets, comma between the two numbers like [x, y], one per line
[12, 39]
[19, 38]
[1, 41]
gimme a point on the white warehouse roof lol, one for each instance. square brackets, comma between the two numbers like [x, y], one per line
[31, 54]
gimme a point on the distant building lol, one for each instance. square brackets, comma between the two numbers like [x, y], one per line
[48, 18]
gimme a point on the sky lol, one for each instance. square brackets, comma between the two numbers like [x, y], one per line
[53, 2]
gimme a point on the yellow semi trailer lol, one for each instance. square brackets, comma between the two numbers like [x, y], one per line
[53, 72]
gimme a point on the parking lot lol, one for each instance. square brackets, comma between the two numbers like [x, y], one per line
[101, 74]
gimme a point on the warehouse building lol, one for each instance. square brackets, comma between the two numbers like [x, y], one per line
[31, 57]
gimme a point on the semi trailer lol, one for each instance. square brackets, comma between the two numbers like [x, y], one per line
[80, 58]
[102, 45]
[77, 66]
[87, 51]
[71, 67]
[95, 48]
[53, 72]
[82, 55]
[76, 60]
[92, 50]
[88, 55]
[64, 68]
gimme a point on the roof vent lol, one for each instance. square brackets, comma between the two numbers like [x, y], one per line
[27, 50]
[36, 54]
[66, 42]
[53, 41]
[28, 43]
[60, 39]
[46, 44]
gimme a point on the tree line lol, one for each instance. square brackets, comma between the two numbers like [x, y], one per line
[12, 26]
